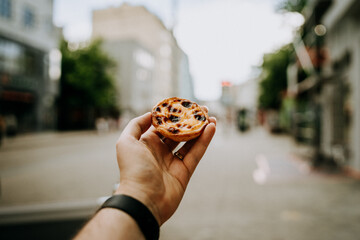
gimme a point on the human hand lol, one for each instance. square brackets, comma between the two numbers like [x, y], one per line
[150, 172]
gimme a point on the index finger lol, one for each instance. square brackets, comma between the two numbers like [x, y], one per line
[196, 148]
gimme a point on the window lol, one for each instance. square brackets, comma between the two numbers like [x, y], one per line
[144, 59]
[5, 8]
[10, 56]
[17, 59]
[28, 18]
[49, 25]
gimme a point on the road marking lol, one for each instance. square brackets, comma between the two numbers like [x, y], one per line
[262, 172]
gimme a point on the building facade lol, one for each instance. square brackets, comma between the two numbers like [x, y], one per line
[29, 64]
[186, 82]
[331, 37]
[136, 25]
[341, 92]
[134, 74]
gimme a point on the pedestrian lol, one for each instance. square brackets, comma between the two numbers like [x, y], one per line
[152, 182]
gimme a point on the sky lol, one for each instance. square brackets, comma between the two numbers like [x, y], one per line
[224, 39]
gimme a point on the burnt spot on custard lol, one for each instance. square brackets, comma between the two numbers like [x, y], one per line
[200, 117]
[158, 109]
[159, 120]
[164, 105]
[186, 104]
[173, 130]
[174, 119]
[173, 110]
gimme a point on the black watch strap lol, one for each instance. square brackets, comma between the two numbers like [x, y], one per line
[138, 211]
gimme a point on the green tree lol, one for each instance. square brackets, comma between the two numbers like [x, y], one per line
[87, 89]
[274, 77]
[292, 5]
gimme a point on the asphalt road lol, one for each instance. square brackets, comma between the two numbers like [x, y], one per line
[253, 186]
[247, 186]
[57, 167]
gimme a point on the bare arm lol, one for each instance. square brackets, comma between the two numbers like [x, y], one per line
[111, 224]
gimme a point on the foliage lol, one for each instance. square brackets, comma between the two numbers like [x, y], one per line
[292, 5]
[85, 80]
[274, 68]
[87, 89]
[274, 77]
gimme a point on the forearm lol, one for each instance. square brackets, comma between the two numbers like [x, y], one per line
[110, 223]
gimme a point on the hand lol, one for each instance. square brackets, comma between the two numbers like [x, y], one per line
[150, 172]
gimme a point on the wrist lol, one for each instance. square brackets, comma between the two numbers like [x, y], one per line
[128, 229]
[143, 198]
[138, 211]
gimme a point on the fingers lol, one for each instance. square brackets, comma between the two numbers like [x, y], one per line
[186, 148]
[170, 143]
[213, 120]
[205, 108]
[137, 126]
[195, 149]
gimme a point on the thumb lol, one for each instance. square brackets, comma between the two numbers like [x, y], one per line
[137, 126]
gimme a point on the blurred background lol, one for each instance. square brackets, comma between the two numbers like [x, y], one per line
[280, 76]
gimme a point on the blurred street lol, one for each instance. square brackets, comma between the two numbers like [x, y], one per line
[248, 186]
[69, 81]
[57, 167]
[224, 202]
